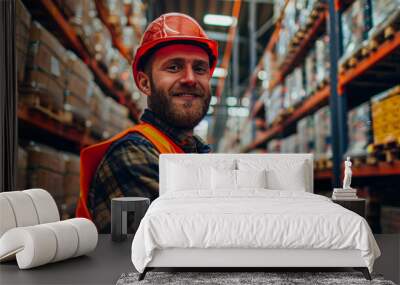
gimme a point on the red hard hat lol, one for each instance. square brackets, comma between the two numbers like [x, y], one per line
[173, 27]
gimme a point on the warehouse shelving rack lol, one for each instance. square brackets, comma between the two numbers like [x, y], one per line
[53, 126]
[335, 93]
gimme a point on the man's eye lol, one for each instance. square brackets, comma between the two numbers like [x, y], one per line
[200, 69]
[173, 67]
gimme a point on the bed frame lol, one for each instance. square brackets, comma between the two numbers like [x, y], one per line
[242, 259]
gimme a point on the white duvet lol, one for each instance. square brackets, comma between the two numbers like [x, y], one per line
[253, 218]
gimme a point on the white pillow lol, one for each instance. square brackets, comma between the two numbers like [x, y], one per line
[293, 181]
[188, 175]
[282, 174]
[251, 179]
[223, 179]
[183, 177]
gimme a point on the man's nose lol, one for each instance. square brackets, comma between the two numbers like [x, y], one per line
[188, 76]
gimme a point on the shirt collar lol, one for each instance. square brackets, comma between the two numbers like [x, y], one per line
[189, 144]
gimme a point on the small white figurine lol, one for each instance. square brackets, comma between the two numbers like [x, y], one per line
[347, 174]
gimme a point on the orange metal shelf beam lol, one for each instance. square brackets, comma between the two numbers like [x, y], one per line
[320, 98]
[382, 169]
[258, 105]
[37, 119]
[383, 50]
[66, 29]
[73, 39]
[323, 174]
[270, 133]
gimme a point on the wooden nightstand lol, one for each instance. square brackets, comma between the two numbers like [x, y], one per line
[355, 205]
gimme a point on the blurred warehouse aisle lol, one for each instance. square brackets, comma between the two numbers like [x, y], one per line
[293, 76]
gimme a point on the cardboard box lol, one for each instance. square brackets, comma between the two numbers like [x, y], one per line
[46, 52]
[98, 103]
[43, 89]
[78, 76]
[23, 24]
[45, 157]
[50, 181]
[116, 108]
[385, 116]
[45, 78]
[22, 165]
[71, 185]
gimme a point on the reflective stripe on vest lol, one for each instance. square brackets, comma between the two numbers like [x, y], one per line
[92, 156]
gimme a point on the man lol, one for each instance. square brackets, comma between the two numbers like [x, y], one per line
[172, 67]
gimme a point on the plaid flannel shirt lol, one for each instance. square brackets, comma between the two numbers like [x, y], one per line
[130, 168]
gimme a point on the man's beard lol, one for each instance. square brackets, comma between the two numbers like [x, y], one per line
[184, 116]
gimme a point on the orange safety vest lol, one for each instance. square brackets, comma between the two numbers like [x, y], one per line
[92, 156]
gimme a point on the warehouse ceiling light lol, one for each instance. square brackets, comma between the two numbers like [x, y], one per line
[245, 101]
[262, 75]
[231, 101]
[219, 72]
[214, 100]
[238, 112]
[219, 20]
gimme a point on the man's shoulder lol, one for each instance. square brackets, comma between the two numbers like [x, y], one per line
[132, 140]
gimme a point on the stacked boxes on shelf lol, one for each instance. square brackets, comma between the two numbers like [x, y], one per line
[359, 129]
[382, 9]
[117, 117]
[298, 16]
[45, 78]
[22, 29]
[306, 135]
[313, 136]
[41, 166]
[78, 13]
[98, 113]
[322, 60]
[78, 90]
[274, 146]
[356, 22]
[273, 105]
[289, 144]
[71, 185]
[46, 169]
[323, 142]
[311, 72]
[82, 16]
[386, 117]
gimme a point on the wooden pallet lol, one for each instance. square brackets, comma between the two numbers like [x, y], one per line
[323, 164]
[34, 101]
[321, 85]
[303, 31]
[385, 31]
[388, 152]
[377, 37]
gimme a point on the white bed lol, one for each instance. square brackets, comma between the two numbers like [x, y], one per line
[200, 221]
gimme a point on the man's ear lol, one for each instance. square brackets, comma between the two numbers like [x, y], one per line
[144, 83]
